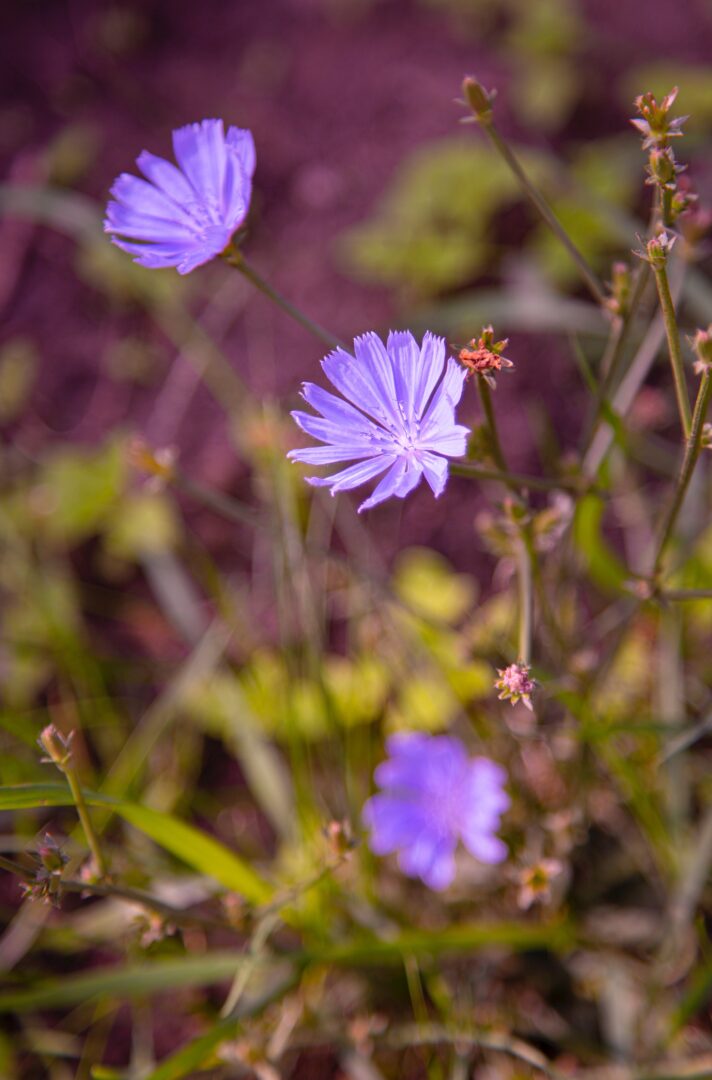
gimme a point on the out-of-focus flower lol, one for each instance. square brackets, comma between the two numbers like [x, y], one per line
[57, 747]
[399, 416]
[184, 216]
[515, 684]
[535, 882]
[432, 795]
[483, 355]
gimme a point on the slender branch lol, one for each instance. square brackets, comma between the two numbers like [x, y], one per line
[235, 258]
[524, 569]
[85, 819]
[673, 339]
[520, 480]
[686, 594]
[485, 119]
[692, 452]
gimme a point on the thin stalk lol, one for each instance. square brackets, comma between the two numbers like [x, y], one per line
[508, 155]
[686, 594]
[495, 444]
[519, 480]
[85, 819]
[673, 339]
[235, 258]
[692, 452]
[615, 350]
[524, 568]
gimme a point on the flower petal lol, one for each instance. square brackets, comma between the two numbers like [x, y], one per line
[338, 434]
[167, 178]
[393, 824]
[243, 146]
[328, 455]
[200, 152]
[355, 381]
[339, 411]
[398, 481]
[405, 356]
[434, 471]
[354, 475]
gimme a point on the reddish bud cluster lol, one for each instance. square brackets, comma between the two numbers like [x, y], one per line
[515, 684]
[483, 355]
[654, 124]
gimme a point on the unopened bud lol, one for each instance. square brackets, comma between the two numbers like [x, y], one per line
[57, 747]
[662, 168]
[479, 99]
[620, 288]
[706, 440]
[702, 347]
[51, 855]
[657, 250]
[159, 464]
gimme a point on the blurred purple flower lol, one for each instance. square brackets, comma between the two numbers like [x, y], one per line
[432, 796]
[411, 405]
[185, 216]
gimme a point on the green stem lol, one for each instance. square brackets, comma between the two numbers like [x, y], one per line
[524, 560]
[85, 819]
[616, 351]
[519, 480]
[692, 452]
[507, 154]
[673, 340]
[495, 444]
[686, 594]
[235, 258]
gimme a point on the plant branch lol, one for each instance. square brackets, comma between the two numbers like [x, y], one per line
[673, 339]
[692, 453]
[235, 258]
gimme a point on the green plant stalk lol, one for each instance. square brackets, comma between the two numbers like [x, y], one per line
[616, 350]
[234, 257]
[692, 453]
[673, 339]
[85, 819]
[543, 208]
[524, 568]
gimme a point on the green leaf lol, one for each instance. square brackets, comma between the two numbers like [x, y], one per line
[195, 1053]
[205, 854]
[603, 565]
[134, 980]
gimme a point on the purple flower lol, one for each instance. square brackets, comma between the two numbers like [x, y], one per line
[185, 216]
[398, 419]
[433, 795]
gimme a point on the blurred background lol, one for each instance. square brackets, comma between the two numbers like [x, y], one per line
[236, 664]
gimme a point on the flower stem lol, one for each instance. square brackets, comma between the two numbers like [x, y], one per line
[673, 340]
[235, 258]
[508, 155]
[85, 819]
[520, 480]
[524, 567]
[495, 444]
[692, 452]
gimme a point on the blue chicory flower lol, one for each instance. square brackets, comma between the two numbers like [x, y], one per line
[432, 795]
[185, 216]
[398, 417]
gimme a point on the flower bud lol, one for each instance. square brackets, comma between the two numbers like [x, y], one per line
[662, 168]
[158, 464]
[654, 123]
[483, 355]
[479, 99]
[702, 347]
[515, 684]
[57, 747]
[51, 855]
[657, 250]
[620, 288]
